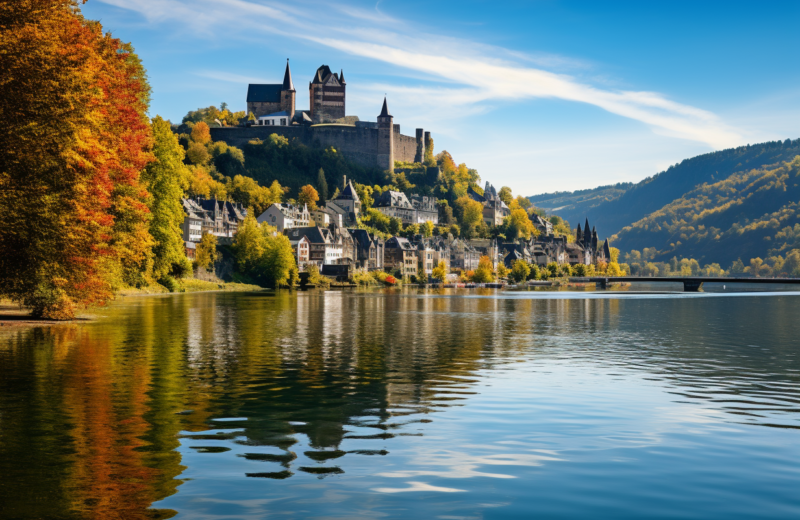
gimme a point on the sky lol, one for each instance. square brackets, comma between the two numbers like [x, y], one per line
[537, 95]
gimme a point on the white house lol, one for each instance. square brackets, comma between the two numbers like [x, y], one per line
[275, 119]
[285, 216]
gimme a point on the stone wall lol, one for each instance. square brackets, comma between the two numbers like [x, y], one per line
[359, 144]
[263, 109]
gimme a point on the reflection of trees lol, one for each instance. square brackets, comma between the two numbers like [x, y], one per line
[92, 416]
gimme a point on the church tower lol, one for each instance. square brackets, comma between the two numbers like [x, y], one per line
[385, 138]
[288, 94]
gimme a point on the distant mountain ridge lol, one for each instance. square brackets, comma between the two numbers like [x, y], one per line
[750, 214]
[612, 208]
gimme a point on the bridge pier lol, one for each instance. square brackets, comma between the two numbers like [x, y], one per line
[601, 283]
[692, 285]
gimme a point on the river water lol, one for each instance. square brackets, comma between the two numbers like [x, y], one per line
[402, 404]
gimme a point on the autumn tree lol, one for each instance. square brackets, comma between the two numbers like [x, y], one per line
[469, 213]
[165, 178]
[505, 195]
[73, 141]
[206, 253]
[309, 196]
[520, 271]
[502, 270]
[201, 133]
[440, 272]
[485, 271]
[519, 225]
[264, 255]
[427, 229]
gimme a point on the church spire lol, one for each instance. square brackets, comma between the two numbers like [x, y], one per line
[341, 77]
[385, 110]
[287, 78]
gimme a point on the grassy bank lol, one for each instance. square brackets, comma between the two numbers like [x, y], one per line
[190, 285]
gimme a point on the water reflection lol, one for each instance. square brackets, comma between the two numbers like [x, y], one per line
[378, 394]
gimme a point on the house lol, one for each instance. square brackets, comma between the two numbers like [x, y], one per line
[425, 208]
[348, 201]
[282, 118]
[425, 259]
[323, 248]
[369, 249]
[395, 204]
[401, 255]
[463, 256]
[542, 225]
[494, 209]
[325, 217]
[285, 216]
[219, 218]
[302, 251]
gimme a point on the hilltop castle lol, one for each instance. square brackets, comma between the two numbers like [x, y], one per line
[325, 123]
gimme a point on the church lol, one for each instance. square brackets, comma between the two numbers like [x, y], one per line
[275, 104]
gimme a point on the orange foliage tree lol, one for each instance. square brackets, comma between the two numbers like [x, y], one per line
[73, 141]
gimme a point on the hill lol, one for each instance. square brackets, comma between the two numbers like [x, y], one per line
[754, 213]
[572, 205]
[657, 191]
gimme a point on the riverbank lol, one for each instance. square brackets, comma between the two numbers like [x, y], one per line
[15, 315]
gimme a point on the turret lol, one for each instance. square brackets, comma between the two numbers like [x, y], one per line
[288, 94]
[579, 235]
[385, 138]
[420, 155]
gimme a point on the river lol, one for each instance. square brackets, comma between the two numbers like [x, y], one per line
[400, 404]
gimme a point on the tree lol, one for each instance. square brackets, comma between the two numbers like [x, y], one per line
[395, 226]
[469, 212]
[264, 255]
[520, 271]
[411, 230]
[756, 266]
[485, 271]
[440, 272]
[579, 270]
[201, 134]
[197, 154]
[518, 225]
[322, 185]
[737, 267]
[505, 195]
[164, 179]
[552, 269]
[73, 141]
[502, 270]
[309, 196]
[427, 229]
[206, 253]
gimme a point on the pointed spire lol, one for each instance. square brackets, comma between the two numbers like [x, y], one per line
[287, 78]
[385, 110]
[341, 77]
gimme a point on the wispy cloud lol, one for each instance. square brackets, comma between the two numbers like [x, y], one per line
[470, 73]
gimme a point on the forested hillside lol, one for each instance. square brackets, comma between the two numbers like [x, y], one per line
[573, 205]
[751, 214]
[655, 192]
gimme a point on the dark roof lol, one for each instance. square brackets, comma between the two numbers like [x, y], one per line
[475, 195]
[385, 109]
[314, 234]
[287, 78]
[399, 243]
[393, 199]
[264, 93]
[349, 193]
[322, 74]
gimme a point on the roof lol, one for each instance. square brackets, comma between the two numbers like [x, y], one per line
[349, 193]
[393, 199]
[385, 109]
[287, 78]
[283, 113]
[401, 243]
[322, 74]
[264, 93]
[314, 234]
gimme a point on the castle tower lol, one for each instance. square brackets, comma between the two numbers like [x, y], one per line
[326, 94]
[385, 138]
[579, 236]
[288, 93]
[420, 155]
[587, 234]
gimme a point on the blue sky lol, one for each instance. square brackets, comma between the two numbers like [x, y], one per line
[536, 95]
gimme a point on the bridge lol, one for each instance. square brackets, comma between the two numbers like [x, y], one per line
[690, 283]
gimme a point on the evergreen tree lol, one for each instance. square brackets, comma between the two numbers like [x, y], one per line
[164, 179]
[322, 185]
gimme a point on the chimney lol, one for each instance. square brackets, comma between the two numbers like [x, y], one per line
[345, 182]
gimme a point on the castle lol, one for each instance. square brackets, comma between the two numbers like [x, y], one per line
[324, 124]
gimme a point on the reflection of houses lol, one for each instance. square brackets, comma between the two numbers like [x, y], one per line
[400, 254]
[213, 216]
[494, 209]
[285, 216]
[369, 249]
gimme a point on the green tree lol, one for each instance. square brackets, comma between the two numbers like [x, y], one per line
[165, 180]
[322, 185]
[505, 195]
[197, 154]
[395, 226]
[440, 272]
[206, 253]
[502, 271]
[520, 271]
[579, 270]
[552, 269]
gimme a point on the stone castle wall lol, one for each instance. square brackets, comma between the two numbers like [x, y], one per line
[359, 144]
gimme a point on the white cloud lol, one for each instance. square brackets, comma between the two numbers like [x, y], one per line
[484, 73]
